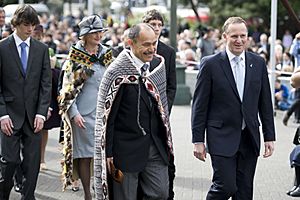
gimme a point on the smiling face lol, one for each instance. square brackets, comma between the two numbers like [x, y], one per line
[93, 39]
[236, 37]
[144, 46]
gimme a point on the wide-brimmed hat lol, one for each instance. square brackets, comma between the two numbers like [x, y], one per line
[91, 24]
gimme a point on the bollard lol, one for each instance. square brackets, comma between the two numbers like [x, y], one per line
[183, 94]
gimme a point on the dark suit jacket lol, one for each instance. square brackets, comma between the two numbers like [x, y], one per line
[169, 55]
[218, 109]
[125, 140]
[55, 118]
[22, 95]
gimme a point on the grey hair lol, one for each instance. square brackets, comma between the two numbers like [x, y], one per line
[135, 30]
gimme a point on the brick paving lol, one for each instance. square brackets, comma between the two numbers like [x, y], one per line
[193, 178]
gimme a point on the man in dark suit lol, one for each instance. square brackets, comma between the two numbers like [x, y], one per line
[232, 88]
[133, 100]
[155, 19]
[25, 93]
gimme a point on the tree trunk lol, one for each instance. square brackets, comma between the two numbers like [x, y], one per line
[291, 12]
[195, 11]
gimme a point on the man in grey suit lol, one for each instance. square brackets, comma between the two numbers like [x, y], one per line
[25, 93]
[232, 88]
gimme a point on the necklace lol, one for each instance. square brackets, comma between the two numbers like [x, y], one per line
[93, 50]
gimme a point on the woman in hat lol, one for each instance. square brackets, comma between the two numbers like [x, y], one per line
[83, 71]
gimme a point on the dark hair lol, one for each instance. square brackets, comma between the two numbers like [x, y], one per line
[288, 54]
[39, 28]
[25, 14]
[152, 15]
[233, 20]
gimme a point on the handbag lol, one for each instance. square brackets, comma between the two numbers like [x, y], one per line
[296, 140]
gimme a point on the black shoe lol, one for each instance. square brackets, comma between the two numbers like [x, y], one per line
[295, 193]
[285, 119]
[18, 188]
[291, 190]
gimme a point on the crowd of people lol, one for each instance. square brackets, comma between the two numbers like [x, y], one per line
[112, 96]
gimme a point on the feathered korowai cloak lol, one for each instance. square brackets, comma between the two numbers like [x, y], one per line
[123, 71]
[77, 69]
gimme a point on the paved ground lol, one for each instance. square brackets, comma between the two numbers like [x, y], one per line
[273, 176]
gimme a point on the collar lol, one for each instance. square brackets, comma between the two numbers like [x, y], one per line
[138, 63]
[231, 55]
[18, 40]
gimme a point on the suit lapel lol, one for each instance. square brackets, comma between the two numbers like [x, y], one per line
[145, 96]
[224, 62]
[249, 65]
[15, 54]
[159, 49]
[30, 55]
[154, 63]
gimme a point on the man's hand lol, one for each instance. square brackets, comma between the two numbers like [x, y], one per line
[269, 149]
[199, 151]
[48, 113]
[109, 160]
[38, 124]
[79, 121]
[7, 126]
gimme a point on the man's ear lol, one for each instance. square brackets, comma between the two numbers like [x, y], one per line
[129, 42]
[224, 36]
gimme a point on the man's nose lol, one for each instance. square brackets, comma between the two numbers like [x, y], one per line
[31, 27]
[153, 48]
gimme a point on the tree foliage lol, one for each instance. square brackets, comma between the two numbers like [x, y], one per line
[258, 11]
[5, 2]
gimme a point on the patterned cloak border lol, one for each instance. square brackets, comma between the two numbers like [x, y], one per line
[77, 69]
[123, 71]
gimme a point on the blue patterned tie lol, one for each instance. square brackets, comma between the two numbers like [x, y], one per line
[23, 56]
[144, 69]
